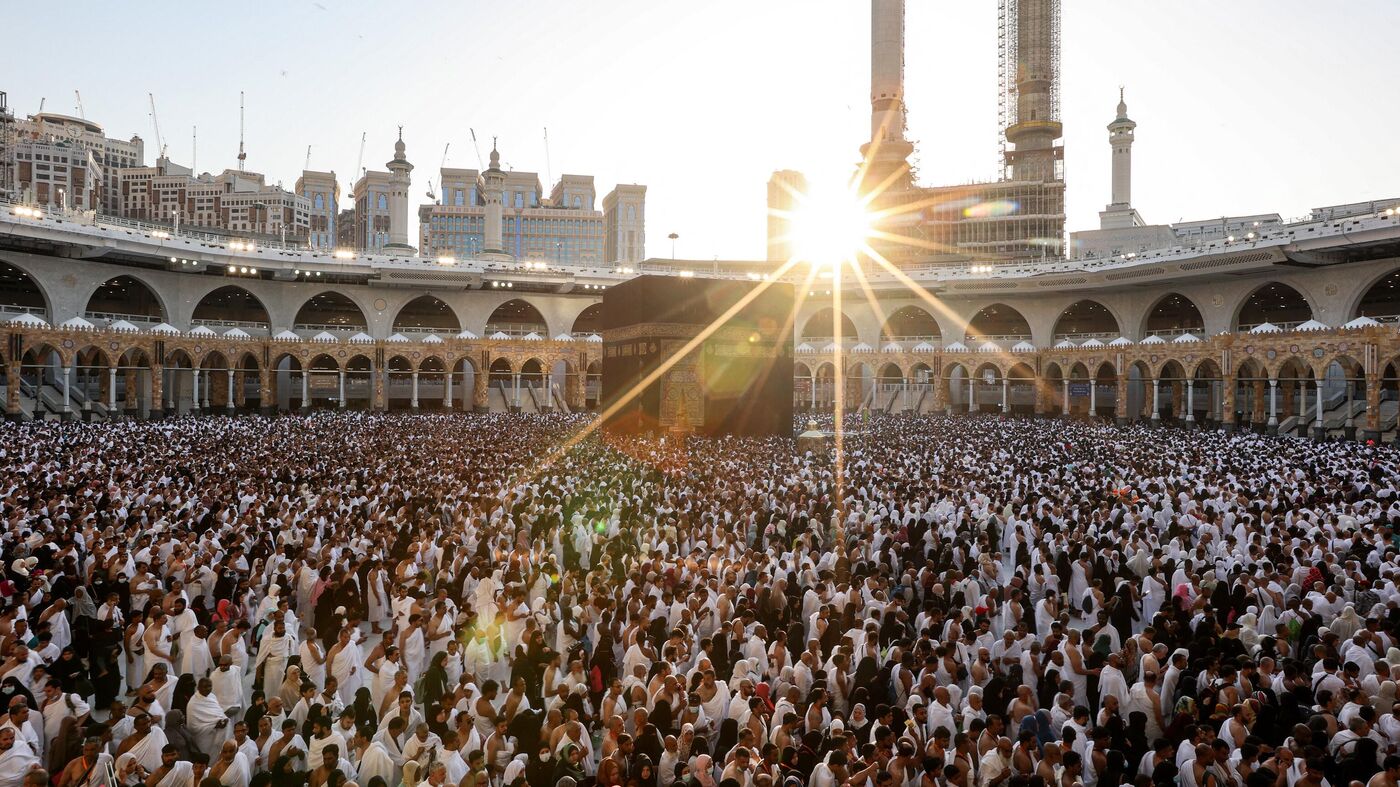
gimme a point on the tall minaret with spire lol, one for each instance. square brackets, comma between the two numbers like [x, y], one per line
[887, 153]
[493, 186]
[1119, 213]
[398, 200]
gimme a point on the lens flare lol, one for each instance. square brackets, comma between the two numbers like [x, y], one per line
[830, 225]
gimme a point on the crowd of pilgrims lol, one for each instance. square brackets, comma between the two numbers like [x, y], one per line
[382, 600]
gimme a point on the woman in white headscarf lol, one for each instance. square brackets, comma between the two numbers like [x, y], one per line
[1347, 623]
[1268, 621]
[1249, 631]
[743, 670]
[1384, 699]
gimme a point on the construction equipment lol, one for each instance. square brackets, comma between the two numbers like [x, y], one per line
[41, 104]
[432, 195]
[307, 165]
[479, 165]
[194, 148]
[81, 113]
[548, 170]
[242, 155]
[155, 121]
[359, 163]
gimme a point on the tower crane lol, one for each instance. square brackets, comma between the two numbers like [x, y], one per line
[155, 121]
[307, 165]
[242, 156]
[361, 160]
[432, 195]
[479, 165]
[81, 112]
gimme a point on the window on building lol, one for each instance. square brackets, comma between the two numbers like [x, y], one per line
[320, 202]
[519, 200]
[578, 202]
[383, 202]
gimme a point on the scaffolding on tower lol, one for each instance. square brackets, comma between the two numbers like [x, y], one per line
[7, 151]
[1010, 71]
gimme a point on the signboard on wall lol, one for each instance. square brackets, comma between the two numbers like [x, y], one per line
[1078, 389]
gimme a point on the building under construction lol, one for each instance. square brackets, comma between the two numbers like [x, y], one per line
[1018, 215]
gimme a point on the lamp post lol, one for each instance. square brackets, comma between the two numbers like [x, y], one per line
[673, 236]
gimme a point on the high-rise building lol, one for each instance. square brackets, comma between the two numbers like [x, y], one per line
[112, 154]
[232, 201]
[784, 188]
[371, 196]
[504, 213]
[7, 143]
[323, 192]
[624, 219]
[57, 174]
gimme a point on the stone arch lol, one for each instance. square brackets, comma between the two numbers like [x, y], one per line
[891, 373]
[230, 306]
[1274, 302]
[910, 322]
[128, 296]
[821, 325]
[427, 314]
[20, 291]
[517, 317]
[998, 321]
[588, 321]
[1172, 314]
[323, 362]
[501, 370]
[330, 310]
[1379, 299]
[1087, 318]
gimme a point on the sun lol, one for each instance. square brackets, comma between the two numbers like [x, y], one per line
[829, 225]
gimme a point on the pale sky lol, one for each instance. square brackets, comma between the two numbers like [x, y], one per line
[1242, 106]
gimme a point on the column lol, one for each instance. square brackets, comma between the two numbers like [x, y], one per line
[971, 395]
[194, 402]
[1319, 432]
[1373, 408]
[515, 391]
[1156, 399]
[305, 390]
[1093, 398]
[1273, 405]
[342, 389]
[548, 405]
[1303, 401]
[1065, 401]
[1228, 392]
[229, 405]
[1349, 428]
[157, 373]
[1190, 401]
[267, 395]
[480, 381]
[67, 399]
[1005, 395]
[814, 392]
[413, 402]
[240, 388]
[111, 390]
[1120, 404]
[447, 394]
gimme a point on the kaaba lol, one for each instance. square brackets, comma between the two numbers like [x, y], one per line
[737, 380]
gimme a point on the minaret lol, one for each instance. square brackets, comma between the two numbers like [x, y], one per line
[398, 200]
[493, 184]
[887, 151]
[1120, 137]
[1037, 123]
[1120, 213]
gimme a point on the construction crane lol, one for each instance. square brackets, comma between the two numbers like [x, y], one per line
[81, 113]
[361, 160]
[307, 165]
[194, 148]
[548, 170]
[41, 104]
[155, 121]
[242, 155]
[479, 165]
[432, 195]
